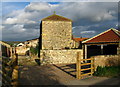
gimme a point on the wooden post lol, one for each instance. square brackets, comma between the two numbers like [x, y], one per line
[85, 52]
[78, 66]
[7, 51]
[11, 52]
[91, 66]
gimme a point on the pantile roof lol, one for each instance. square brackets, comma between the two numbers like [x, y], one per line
[79, 39]
[111, 35]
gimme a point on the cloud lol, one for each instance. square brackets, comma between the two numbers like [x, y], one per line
[91, 11]
[18, 20]
[37, 7]
[2, 27]
[18, 32]
[88, 17]
[87, 32]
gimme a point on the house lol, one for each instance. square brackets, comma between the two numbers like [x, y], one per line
[32, 42]
[56, 41]
[79, 40]
[105, 43]
[23, 48]
[20, 44]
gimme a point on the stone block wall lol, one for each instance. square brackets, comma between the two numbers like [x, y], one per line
[57, 34]
[22, 50]
[59, 56]
[106, 60]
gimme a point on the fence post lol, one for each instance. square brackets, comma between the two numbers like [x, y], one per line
[92, 66]
[78, 66]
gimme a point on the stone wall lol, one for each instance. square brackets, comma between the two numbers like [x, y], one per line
[22, 50]
[59, 56]
[57, 35]
[106, 60]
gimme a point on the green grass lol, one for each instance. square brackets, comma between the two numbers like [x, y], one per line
[107, 71]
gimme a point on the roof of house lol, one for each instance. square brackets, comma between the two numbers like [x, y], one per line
[79, 39]
[55, 17]
[111, 35]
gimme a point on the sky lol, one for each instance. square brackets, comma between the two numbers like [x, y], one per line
[21, 20]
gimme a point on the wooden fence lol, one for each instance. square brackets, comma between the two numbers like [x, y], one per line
[81, 66]
[10, 71]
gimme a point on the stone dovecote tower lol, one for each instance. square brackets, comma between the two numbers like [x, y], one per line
[56, 32]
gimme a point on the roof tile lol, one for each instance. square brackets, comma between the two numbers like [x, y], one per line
[109, 36]
[55, 17]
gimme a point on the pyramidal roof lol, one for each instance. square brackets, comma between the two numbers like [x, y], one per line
[111, 35]
[55, 17]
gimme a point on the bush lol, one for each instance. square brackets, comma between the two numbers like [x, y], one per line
[34, 50]
[109, 71]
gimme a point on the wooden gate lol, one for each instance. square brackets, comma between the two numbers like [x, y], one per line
[84, 67]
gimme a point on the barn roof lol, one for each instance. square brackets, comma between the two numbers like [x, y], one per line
[79, 39]
[111, 35]
[55, 17]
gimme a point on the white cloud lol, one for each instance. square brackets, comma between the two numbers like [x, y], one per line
[18, 32]
[86, 32]
[86, 10]
[18, 20]
[2, 27]
[75, 11]
[38, 6]
[23, 21]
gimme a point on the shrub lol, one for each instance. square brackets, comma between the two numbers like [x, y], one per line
[34, 50]
[109, 71]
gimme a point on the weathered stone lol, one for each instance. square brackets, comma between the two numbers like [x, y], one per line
[59, 56]
[106, 60]
[57, 34]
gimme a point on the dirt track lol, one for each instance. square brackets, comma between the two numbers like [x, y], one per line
[43, 75]
[34, 74]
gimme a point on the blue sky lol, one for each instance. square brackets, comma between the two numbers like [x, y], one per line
[20, 20]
